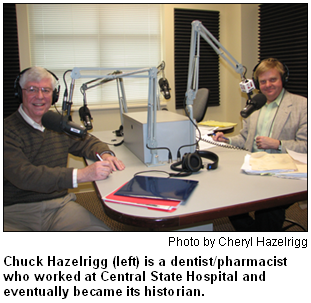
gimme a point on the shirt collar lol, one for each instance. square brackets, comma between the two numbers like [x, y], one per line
[30, 121]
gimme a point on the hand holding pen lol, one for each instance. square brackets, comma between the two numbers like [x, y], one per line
[99, 170]
[219, 136]
[114, 161]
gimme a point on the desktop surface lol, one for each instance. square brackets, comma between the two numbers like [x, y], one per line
[220, 193]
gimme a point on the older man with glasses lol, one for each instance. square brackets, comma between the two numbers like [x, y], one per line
[36, 176]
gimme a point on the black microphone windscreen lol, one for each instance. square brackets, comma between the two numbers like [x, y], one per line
[254, 104]
[84, 111]
[52, 121]
[85, 117]
[81, 112]
[259, 101]
[161, 82]
[164, 88]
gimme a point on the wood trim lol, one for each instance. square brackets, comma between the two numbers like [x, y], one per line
[200, 217]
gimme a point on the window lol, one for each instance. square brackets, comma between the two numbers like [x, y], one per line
[116, 36]
[283, 34]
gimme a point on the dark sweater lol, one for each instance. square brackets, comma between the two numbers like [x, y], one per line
[35, 162]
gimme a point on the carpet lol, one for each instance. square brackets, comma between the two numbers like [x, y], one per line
[91, 202]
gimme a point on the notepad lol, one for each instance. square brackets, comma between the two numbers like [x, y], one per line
[217, 123]
[158, 188]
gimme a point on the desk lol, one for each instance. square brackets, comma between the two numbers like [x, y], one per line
[222, 192]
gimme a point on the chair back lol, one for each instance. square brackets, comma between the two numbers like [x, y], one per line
[200, 104]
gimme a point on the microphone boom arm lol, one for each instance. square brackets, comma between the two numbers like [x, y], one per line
[120, 89]
[153, 100]
[193, 69]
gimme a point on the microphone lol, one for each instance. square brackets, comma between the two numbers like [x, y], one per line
[85, 117]
[253, 104]
[60, 123]
[164, 88]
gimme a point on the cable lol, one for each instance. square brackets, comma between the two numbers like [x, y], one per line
[66, 89]
[245, 71]
[114, 144]
[152, 170]
[169, 151]
[176, 175]
[197, 141]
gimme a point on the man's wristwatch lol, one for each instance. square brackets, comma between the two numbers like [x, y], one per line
[280, 146]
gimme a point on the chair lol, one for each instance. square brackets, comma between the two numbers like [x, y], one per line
[302, 205]
[292, 223]
[200, 104]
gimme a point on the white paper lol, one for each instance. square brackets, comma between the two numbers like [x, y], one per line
[303, 158]
[246, 167]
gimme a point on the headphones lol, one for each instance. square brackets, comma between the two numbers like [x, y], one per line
[18, 90]
[192, 162]
[284, 78]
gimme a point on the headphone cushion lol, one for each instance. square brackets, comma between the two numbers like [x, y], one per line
[191, 162]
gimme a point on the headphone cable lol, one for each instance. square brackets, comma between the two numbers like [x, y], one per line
[197, 128]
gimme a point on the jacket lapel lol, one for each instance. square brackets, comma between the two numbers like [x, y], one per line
[253, 124]
[282, 115]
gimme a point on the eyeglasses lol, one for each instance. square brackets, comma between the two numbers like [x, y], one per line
[33, 90]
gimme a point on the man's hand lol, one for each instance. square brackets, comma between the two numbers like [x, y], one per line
[99, 170]
[219, 136]
[115, 162]
[267, 143]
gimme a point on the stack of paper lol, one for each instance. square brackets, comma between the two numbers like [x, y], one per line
[156, 193]
[278, 165]
[206, 130]
[301, 162]
[206, 141]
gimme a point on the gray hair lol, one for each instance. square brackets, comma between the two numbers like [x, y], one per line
[36, 74]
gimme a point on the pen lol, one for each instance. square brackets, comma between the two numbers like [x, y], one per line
[99, 157]
[222, 136]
